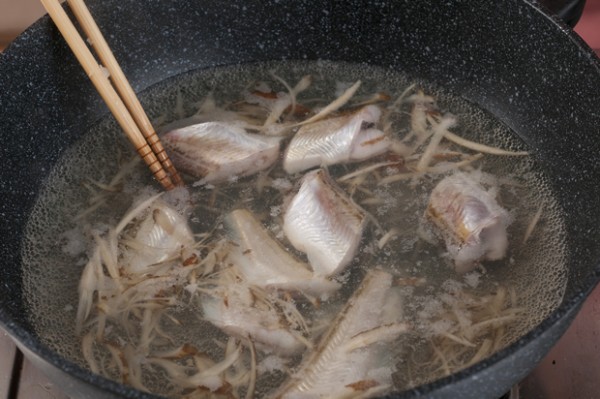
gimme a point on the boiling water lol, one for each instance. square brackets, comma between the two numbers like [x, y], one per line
[56, 247]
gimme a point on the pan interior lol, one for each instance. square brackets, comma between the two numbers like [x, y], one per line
[54, 254]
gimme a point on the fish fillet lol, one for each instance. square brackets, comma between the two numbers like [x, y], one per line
[159, 236]
[218, 151]
[347, 138]
[469, 220]
[264, 262]
[236, 310]
[324, 223]
[352, 359]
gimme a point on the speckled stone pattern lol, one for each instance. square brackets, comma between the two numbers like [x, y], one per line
[526, 68]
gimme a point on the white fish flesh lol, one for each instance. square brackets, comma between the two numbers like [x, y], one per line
[347, 138]
[218, 151]
[161, 234]
[152, 238]
[469, 220]
[244, 312]
[352, 358]
[324, 223]
[264, 262]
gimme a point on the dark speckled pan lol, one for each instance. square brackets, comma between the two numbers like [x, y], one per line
[507, 56]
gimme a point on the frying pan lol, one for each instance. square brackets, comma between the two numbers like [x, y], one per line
[528, 69]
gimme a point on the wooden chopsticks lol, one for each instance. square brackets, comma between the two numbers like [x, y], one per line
[124, 105]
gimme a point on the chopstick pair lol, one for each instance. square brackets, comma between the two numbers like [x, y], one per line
[124, 105]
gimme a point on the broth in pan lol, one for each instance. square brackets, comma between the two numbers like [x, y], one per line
[343, 231]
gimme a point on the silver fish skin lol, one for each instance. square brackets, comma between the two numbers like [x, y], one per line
[218, 151]
[351, 359]
[264, 262]
[162, 234]
[341, 139]
[469, 219]
[323, 222]
[236, 311]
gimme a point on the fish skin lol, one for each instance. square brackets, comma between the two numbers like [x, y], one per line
[264, 262]
[159, 236]
[218, 151]
[324, 223]
[235, 312]
[333, 369]
[469, 220]
[336, 140]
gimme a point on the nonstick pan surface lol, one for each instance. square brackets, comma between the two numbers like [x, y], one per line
[508, 57]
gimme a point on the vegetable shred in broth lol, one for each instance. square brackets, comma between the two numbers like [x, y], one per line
[446, 320]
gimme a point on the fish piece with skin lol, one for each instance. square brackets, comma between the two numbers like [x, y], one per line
[322, 221]
[218, 151]
[246, 312]
[153, 237]
[469, 219]
[163, 233]
[347, 138]
[352, 358]
[264, 262]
